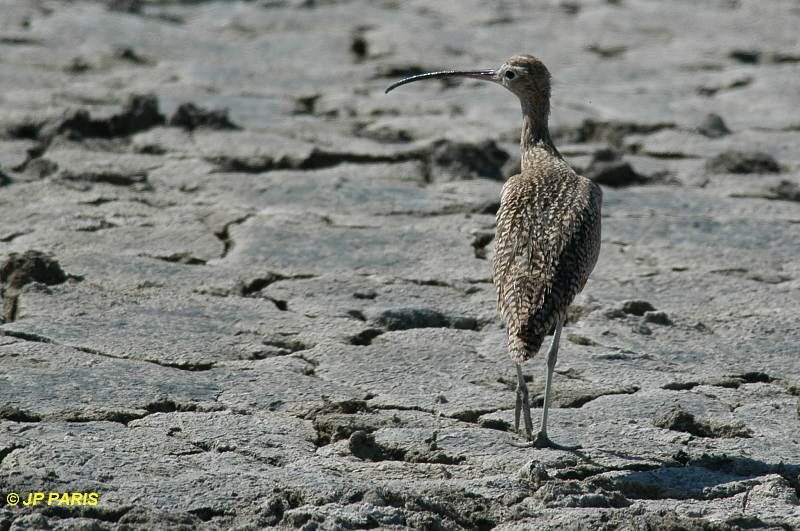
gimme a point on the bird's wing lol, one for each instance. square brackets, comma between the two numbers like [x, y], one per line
[546, 246]
[568, 274]
[519, 258]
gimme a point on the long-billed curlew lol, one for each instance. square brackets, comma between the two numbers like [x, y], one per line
[548, 231]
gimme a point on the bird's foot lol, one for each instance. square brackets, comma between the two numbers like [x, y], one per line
[543, 441]
[518, 444]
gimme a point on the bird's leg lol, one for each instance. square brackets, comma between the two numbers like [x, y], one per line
[541, 440]
[522, 405]
[552, 357]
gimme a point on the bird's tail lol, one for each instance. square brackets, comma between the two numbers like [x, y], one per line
[517, 349]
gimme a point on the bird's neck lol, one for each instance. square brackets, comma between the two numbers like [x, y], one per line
[535, 133]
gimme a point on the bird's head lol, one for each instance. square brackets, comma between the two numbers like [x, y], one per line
[524, 75]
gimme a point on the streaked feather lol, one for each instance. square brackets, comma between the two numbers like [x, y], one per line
[546, 245]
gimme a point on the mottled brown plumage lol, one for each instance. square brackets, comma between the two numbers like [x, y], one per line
[548, 230]
[548, 224]
[547, 242]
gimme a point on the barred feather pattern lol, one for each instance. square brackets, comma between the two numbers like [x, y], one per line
[546, 245]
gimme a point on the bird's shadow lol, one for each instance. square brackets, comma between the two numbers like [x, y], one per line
[682, 477]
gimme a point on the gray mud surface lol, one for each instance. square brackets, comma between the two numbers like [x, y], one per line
[243, 288]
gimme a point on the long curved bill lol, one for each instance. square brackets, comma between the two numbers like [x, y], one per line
[485, 75]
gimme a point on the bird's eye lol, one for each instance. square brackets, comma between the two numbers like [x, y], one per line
[510, 74]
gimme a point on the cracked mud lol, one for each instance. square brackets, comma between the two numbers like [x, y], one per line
[242, 288]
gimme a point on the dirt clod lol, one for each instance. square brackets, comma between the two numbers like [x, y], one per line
[190, 116]
[743, 162]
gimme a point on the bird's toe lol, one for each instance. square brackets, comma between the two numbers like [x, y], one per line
[543, 441]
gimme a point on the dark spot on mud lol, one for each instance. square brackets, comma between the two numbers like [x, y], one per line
[487, 207]
[365, 294]
[785, 191]
[743, 162]
[364, 446]
[249, 288]
[335, 424]
[135, 179]
[713, 126]
[190, 116]
[306, 104]
[637, 307]
[31, 266]
[614, 313]
[494, 424]
[256, 164]
[756, 377]
[356, 314]
[737, 82]
[580, 399]
[749, 57]
[479, 243]
[38, 167]
[320, 158]
[126, 53]
[27, 130]
[207, 513]
[577, 311]
[607, 52]
[468, 415]
[659, 318]
[283, 347]
[359, 47]
[279, 304]
[676, 419]
[614, 174]
[384, 134]
[581, 340]
[139, 113]
[126, 6]
[570, 8]
[346, 407]
[77, 65]
[604, 132]
[408, 318]
[752, 57]
[680, 386]
[17, 415]
[365, 337]
[179, 258]
[453, 161]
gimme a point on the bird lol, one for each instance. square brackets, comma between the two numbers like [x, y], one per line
[547, 236]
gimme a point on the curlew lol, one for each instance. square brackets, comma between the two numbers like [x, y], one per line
[548, 232]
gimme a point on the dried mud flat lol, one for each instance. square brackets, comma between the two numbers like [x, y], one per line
[242, 288]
